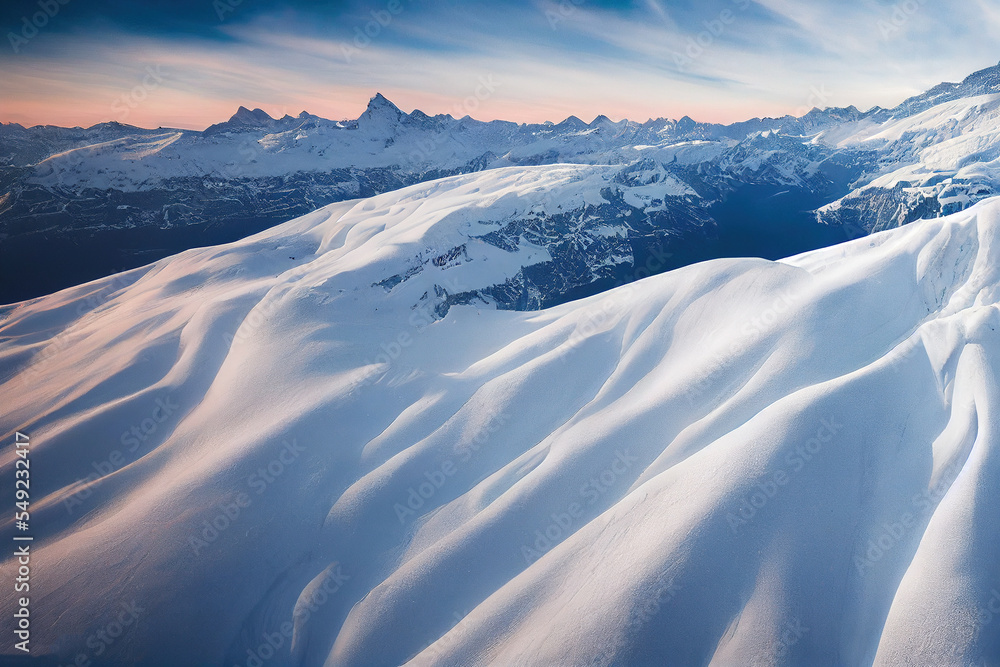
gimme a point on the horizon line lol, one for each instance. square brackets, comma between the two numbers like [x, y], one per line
[457, 118]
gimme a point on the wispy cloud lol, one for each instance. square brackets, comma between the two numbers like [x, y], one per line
[717, 60]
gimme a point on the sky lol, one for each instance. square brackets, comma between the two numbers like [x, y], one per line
[191, 63]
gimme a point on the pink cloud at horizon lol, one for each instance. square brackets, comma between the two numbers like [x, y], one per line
[193, 85]
[187, 110]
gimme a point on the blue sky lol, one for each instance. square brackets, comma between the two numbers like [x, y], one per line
[191, 63]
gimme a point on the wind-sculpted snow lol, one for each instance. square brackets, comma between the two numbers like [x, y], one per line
[272, 456]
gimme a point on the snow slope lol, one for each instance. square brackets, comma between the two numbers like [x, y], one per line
[737, 462]
[948, 154]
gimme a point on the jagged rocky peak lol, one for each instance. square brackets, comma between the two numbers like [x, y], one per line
[381, 116]
[603, 121]
[243, 120]
[983, 82]
[848, 113]
[686, 125]
[247, 117]
[380, 104]
[573, 122]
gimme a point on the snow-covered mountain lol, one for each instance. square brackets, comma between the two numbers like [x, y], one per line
[934, 162]
[78, 204]
[254, 145]
[302, 449]
[127, 201]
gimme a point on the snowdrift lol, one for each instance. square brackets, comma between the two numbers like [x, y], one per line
[269, 453]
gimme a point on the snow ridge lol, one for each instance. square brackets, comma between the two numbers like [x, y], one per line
[738, 461]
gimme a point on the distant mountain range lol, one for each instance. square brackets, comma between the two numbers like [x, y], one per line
[77, 204]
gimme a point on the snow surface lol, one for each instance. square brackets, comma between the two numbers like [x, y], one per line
[737, 462]
[950, 152]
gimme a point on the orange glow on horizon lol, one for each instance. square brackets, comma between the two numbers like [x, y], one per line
[197, 114]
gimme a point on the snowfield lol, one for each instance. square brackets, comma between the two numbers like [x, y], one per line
[274, 456]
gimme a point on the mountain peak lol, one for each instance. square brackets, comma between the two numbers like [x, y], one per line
[244, 119]
[982, 82]
[573, 123]
[380, 102]
[381, 116]
[245, 116]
